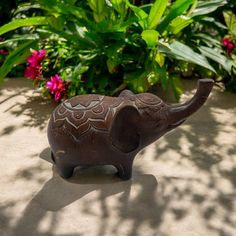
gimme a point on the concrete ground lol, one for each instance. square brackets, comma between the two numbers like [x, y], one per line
[183, 185]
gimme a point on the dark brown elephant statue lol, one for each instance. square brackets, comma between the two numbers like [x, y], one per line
[101, 130]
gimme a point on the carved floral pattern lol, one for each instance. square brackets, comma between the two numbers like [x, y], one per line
[86, 112]
[80, 114]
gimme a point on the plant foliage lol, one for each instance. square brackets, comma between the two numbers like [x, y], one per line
[107, 45]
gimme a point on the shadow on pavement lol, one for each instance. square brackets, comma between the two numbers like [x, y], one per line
[37, 111]
[141, 202]
[58, 193]
[204, 143]
[29, 104]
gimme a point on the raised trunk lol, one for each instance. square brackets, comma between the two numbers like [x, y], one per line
[178, 113]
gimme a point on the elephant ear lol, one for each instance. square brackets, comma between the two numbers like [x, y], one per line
[124, 129]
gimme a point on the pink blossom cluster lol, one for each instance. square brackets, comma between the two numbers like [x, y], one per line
[56, 87]
[229, 44]
[3, 52]
[34, 70]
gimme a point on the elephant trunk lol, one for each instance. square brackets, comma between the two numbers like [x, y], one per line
[178, 113]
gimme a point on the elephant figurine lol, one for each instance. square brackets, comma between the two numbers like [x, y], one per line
[101, 130]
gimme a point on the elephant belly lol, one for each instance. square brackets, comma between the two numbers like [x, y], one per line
[93, 148]
[93, 151]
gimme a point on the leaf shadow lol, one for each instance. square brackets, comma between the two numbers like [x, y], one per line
[200, 142]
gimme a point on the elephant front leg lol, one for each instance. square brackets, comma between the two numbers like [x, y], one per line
[124, 170]
[63, 169]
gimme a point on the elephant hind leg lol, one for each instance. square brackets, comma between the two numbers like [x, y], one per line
[64, 170]
[124, 171]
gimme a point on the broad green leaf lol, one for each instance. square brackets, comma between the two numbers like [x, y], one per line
[212, 20]
[98, 7]
[208, 40]
[150, 37]
[177, 9]
[192, 8]
[19, 38]
[98, 17]
[217, 57]
[16, 57]
[26, 7]
[179, 23]
[141, 15]
[38, 20]
[160, 59]
[206, 7]
[181, 51]
[120, 6]
[156, 13]
[230, 21]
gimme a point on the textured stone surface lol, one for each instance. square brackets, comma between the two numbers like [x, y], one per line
[183, 185]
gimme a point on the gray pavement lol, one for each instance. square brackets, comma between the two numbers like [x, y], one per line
[182, 185]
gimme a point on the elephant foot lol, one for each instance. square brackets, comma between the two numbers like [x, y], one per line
[64, 171]
[124, 171]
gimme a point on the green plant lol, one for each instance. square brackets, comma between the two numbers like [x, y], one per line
[229, 42]
[106, 46]
[213, 36]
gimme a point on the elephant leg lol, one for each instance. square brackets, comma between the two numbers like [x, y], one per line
[124, 171]
[64, 170]
[53, 158]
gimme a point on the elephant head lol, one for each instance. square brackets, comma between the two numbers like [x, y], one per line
[136, 126]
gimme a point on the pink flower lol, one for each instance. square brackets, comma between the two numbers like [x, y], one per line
[56, 87]
[57, 96]
[3, 52]
[228, 44]
[32, 72]
[36, 58]
[34, 68]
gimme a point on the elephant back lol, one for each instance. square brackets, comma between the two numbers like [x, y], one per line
[86, 113]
